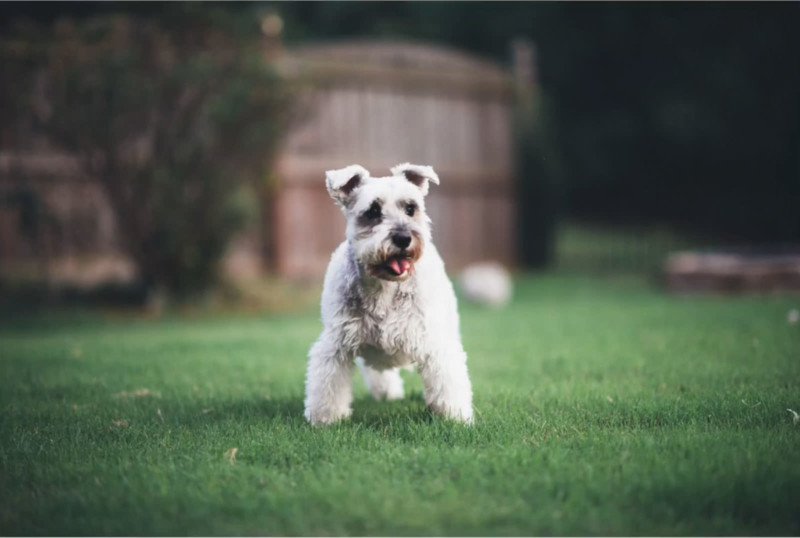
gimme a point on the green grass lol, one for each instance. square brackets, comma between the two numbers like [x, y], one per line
[603, 407]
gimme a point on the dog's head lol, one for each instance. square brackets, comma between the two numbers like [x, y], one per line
[386, 221]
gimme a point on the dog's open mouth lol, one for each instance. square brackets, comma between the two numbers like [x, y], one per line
[398, 265]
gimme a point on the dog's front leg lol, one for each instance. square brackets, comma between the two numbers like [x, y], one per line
[448, 391]
[329, 381]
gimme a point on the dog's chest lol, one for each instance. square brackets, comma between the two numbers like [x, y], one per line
[390, 325]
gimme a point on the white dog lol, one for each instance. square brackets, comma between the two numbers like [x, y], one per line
[387, 300]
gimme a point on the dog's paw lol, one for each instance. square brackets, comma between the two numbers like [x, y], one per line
[319, 417]
[394, 393]
[461, 413]
[389, 391]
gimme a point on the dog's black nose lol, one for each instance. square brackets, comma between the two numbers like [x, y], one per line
[401, 239]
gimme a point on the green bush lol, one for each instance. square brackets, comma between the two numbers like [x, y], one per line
[175, 116]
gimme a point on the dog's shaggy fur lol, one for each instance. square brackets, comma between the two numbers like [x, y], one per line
[387, 301]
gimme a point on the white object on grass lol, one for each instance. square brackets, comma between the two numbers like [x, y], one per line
[487, 283]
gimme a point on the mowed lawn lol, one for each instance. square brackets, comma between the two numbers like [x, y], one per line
[603, 407]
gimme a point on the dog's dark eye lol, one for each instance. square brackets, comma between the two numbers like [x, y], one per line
[411, 209]
[374, 211]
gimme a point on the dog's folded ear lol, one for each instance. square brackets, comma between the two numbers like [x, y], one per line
[417, 174]
[343, 182]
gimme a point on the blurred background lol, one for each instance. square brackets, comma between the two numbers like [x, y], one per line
[152, 152]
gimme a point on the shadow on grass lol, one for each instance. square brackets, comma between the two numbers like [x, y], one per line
[367, 413]
[288, 410]
[380, 415]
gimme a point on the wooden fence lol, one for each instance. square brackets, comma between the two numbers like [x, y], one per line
[379, 104]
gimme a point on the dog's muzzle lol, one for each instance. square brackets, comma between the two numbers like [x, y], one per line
[398, 261]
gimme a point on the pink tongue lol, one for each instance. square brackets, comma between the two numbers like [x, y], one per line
[399, 266]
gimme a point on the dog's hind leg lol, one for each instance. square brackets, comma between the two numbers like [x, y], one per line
[383, 384]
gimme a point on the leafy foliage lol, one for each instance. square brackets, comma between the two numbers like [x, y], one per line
[174, 115]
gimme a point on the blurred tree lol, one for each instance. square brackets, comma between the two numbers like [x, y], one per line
[536, 162]
[174, 115]
[684, 114]
[537, 168]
